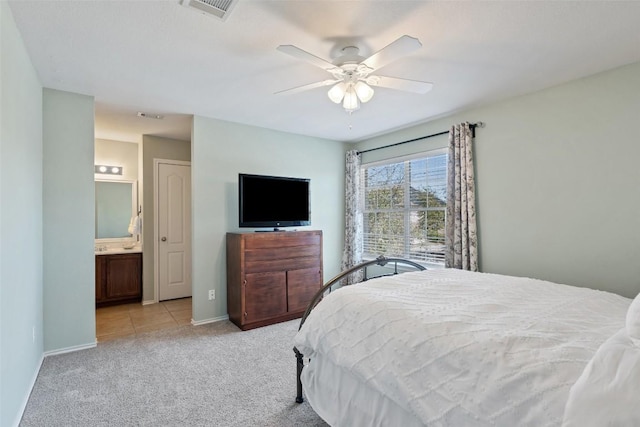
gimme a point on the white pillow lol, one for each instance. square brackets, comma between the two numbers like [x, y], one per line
[608, 391]
[633, 321]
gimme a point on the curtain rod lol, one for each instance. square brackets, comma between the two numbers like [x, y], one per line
[473, 127]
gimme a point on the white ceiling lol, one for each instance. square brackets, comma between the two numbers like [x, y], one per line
[164, 58]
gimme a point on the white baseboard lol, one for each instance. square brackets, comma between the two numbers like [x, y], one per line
[212, 320]
[25, 400]
[70, 349]
[149, 302]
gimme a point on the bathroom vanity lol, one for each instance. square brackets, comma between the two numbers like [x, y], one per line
[118, 277]
[118, 269]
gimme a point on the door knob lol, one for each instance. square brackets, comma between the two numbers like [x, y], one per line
[164, 239]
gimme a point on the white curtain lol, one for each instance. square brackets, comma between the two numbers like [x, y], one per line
[352, 254]
[460, 234]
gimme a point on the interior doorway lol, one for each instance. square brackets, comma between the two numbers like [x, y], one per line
[172, 229]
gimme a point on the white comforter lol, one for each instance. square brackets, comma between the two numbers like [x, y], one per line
[455, 348]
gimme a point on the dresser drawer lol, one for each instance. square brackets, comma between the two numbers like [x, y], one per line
[262, 254]
[280, 240]
[281, 264]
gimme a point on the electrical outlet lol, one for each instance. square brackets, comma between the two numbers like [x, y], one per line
[212, 294]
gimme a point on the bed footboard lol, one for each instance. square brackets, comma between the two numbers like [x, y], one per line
[327, 287]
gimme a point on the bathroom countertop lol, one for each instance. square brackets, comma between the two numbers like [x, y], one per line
[112, 251]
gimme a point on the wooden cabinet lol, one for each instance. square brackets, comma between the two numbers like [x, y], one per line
[118, 278]
[271, 276]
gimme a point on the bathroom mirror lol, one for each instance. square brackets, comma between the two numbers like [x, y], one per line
[116, 203]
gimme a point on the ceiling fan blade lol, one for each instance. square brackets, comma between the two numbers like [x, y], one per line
[392, 51]
[302, 88]
[406, 85]
[296, 52]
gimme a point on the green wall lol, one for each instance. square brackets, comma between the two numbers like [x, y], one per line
[68, 201]
[21, 342]
[221, 150]
[557, 181]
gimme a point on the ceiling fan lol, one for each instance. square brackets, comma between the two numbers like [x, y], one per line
[353, 74]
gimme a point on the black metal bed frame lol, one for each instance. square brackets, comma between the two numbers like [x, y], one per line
[326, 288]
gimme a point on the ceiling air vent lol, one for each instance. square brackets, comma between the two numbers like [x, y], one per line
[218, 8]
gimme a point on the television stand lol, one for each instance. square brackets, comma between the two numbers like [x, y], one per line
[272, 277]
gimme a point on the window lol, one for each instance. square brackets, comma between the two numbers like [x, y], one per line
[404, 208]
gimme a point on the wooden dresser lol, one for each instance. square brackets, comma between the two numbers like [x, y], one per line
[271, 276]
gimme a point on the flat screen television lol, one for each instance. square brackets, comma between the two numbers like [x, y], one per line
[273, 201]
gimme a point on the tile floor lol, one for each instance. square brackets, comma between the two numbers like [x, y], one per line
[131, 319]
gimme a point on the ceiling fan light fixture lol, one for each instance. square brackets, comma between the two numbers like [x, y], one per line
[351, 102]
[364, 91]
[336, 93]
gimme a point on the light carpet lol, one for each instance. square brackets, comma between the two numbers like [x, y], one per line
[209, 375]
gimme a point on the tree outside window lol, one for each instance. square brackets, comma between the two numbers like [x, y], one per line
[404, 208]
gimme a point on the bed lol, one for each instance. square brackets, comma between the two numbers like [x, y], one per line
[455, 348]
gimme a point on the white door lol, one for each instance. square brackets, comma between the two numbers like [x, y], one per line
[174, 231]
